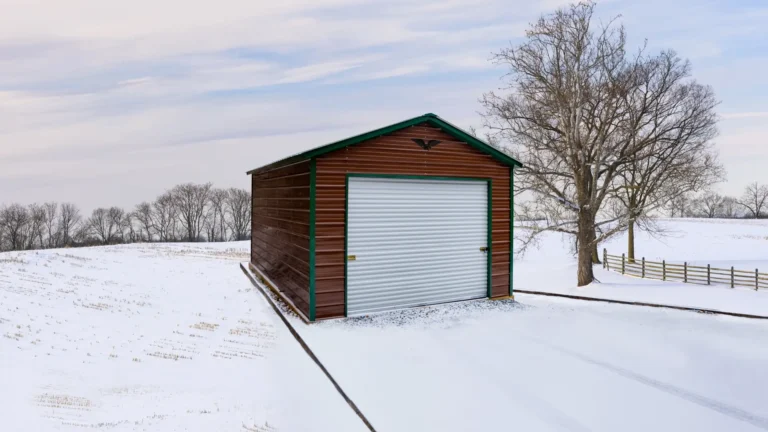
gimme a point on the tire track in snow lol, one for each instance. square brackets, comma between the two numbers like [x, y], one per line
[703, 401]
[543, 409]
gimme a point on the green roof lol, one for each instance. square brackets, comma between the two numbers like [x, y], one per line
[429, 118]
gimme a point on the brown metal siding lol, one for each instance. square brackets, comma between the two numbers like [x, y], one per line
[280, 223]
[397, 154]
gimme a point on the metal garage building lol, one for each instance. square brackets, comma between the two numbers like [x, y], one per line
[411, 214]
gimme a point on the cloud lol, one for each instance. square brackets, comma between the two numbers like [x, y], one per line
[396, 72]
[84, 19]
[133, 97]
[134, 81]
[321, 70]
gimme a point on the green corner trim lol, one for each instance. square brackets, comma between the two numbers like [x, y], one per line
[346, 234]
[511, 229]
[490, 238]
[430, 119]
[312, 240]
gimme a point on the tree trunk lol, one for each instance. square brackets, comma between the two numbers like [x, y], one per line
[586, 246]
[631, 241]
[595, 255]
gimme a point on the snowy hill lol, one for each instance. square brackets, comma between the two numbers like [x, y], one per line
[150, 337]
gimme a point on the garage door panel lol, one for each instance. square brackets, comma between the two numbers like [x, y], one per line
[402, 303]
[438, 256]
[401, 271]
[415, 242]
[422, 220]
[410, 283]
[382, 247]
[410, 298]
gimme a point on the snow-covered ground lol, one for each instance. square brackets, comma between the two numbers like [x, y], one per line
[548, 364]
[152, 338]
[722, 243]
[174, 337]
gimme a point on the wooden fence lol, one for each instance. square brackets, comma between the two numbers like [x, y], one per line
[684, 272]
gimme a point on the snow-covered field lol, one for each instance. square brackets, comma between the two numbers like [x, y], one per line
[151, 338]
[721, 243]
[169, 337]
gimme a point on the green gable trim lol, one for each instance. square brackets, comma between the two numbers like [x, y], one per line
[430, 119]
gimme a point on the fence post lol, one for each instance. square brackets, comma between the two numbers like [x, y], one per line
[622, 263]
[663, 270]
[732, 285]
[685, 272]
[708, 279]
[643, 266]
[757, 280]
[605, 259]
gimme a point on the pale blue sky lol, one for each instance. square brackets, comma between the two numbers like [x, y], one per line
[106, 103]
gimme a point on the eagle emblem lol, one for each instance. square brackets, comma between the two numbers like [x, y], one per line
[426, 145]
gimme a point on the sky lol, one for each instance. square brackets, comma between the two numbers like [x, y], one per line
[110, 103]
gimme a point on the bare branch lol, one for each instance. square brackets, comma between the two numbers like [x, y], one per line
[586, 120]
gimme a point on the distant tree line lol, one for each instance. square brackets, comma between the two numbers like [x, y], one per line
[752, 204]
[188, 212]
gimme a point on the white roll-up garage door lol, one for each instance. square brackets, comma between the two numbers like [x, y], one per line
[413, 242]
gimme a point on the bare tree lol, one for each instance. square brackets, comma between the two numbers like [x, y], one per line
[754, 199]
[36, 227]
[216, 223]
[679, 206]
[578, 112]
[164, 217]
[239, 207]
[51, 228]
[68, 223]
[191, 202]
[730, 208]
[680, 163]
[709, 204]
[15, 224]
[106, 224]
[98, 225]
[143, 214]
[128, 231]
[82, 234]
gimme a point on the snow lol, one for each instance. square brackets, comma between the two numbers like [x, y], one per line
[550, 364]
[721, 243]
[546, 364]
[168, 337]
[151, 337]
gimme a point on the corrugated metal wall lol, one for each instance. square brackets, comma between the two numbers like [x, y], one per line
[398, 154]
[280, 223]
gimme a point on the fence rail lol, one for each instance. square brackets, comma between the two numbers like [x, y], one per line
[686, 273]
